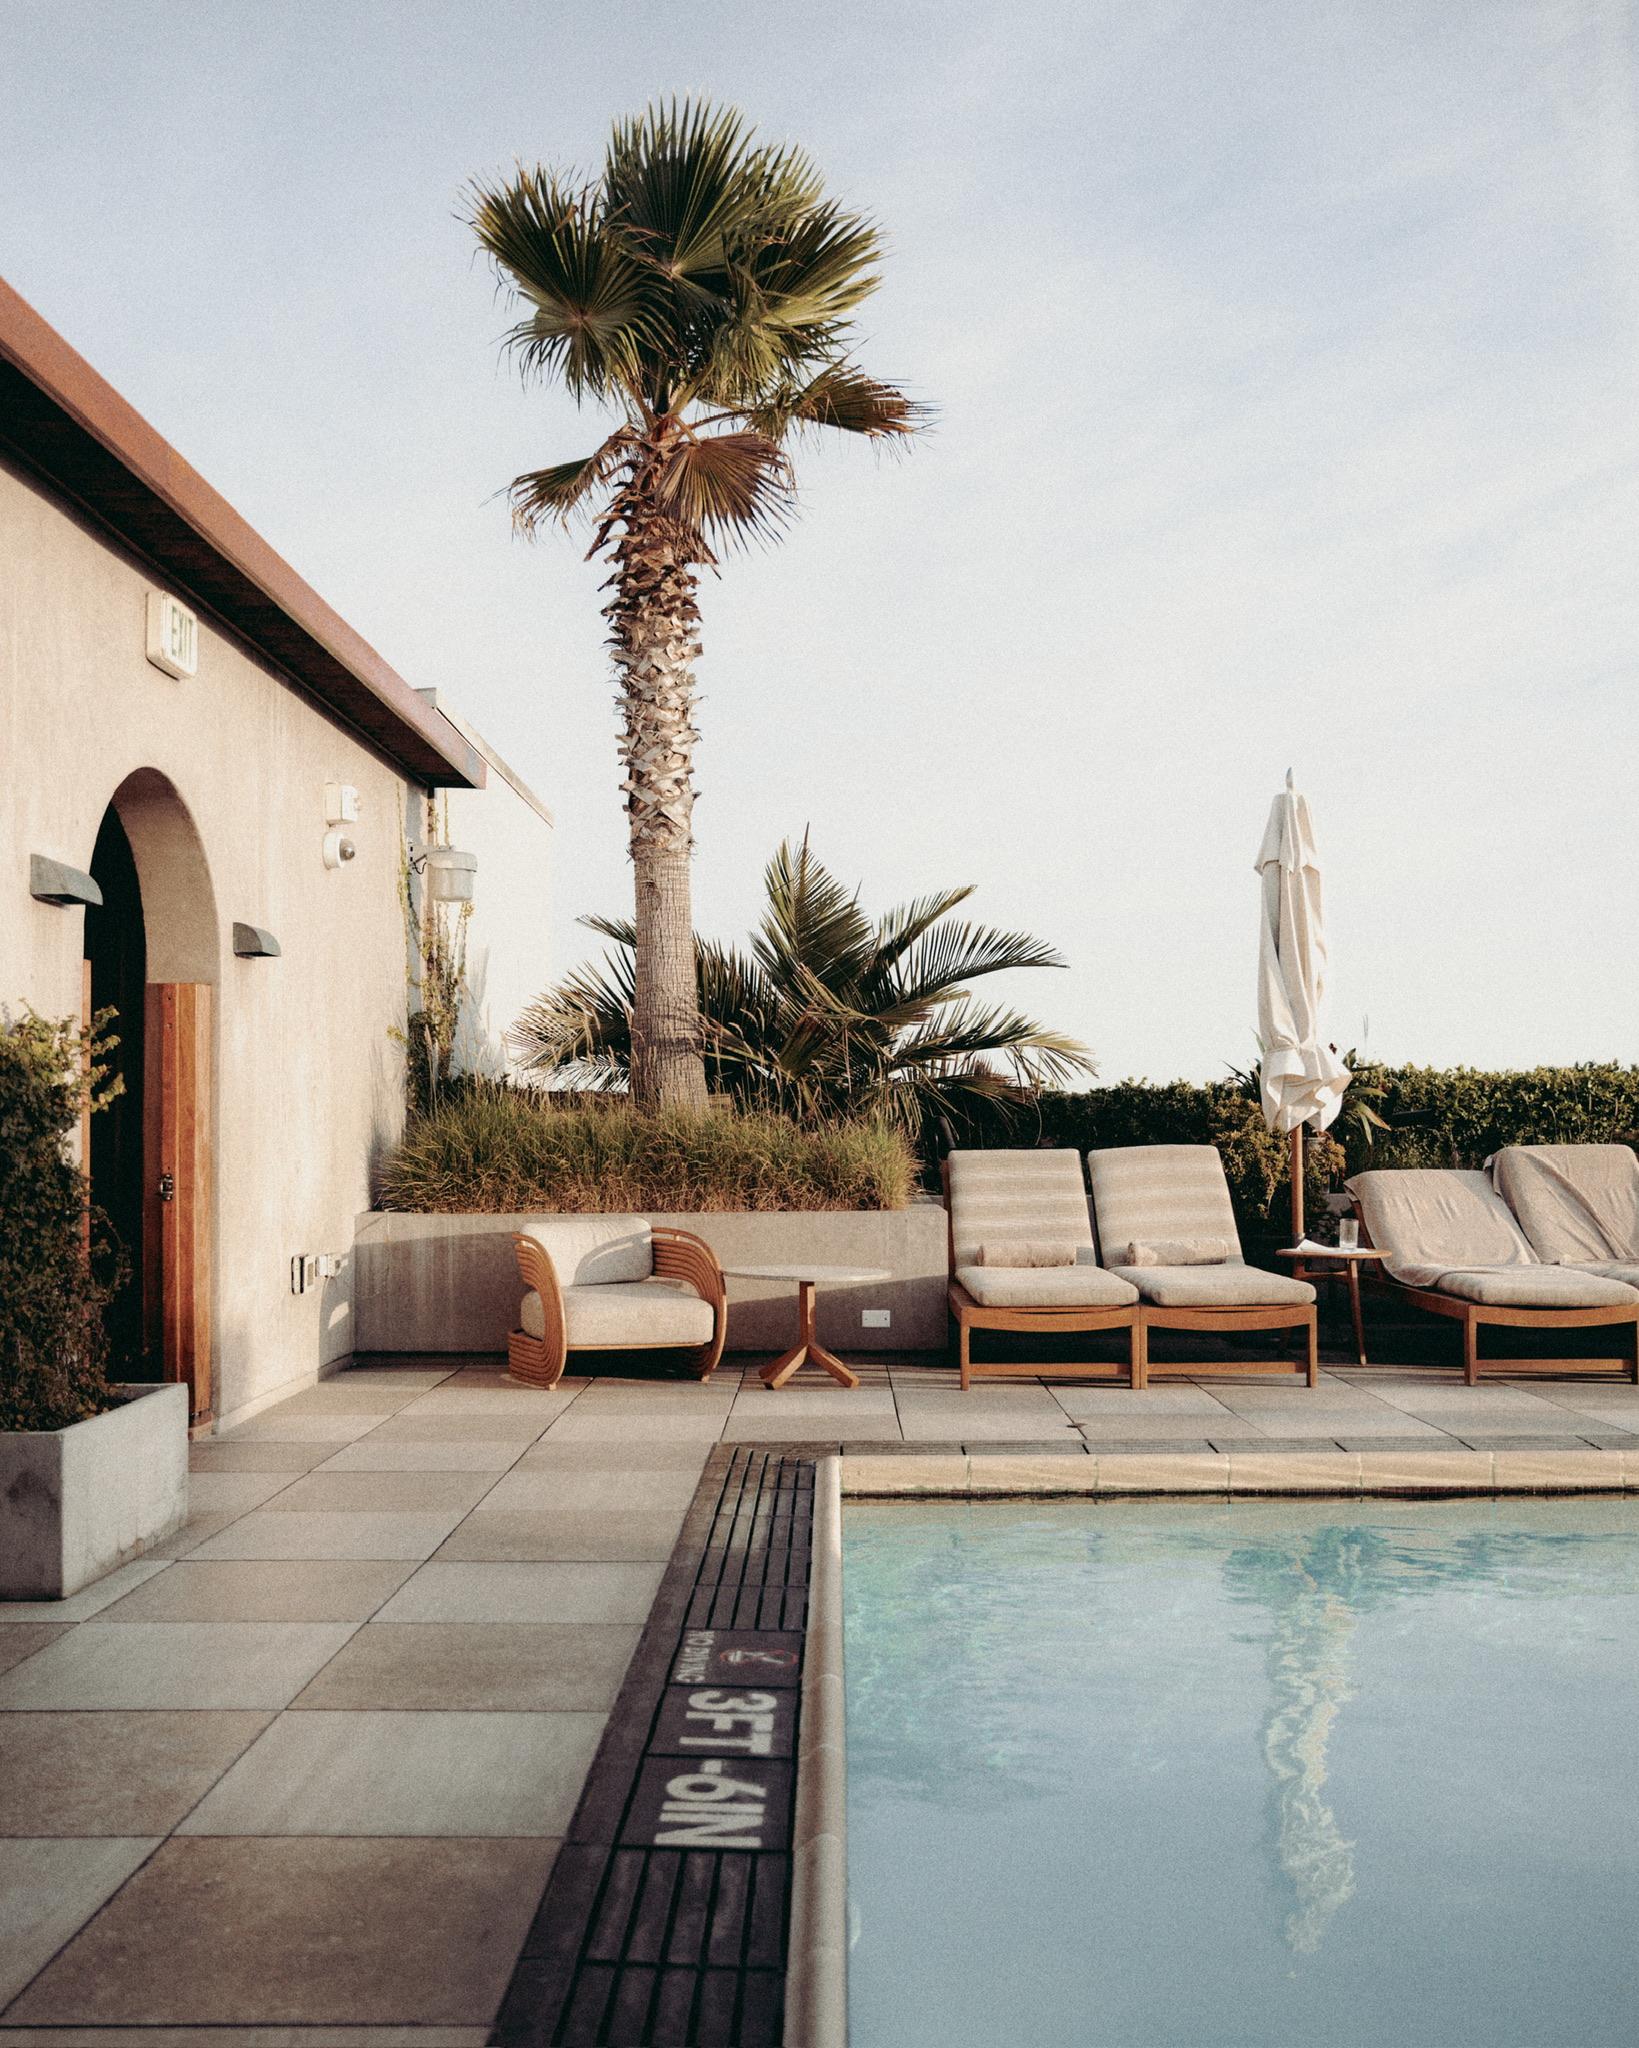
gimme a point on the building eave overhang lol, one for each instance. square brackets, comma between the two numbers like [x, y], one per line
[70, 427]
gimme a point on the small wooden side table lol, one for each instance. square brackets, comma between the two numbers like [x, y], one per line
[808, 1346]
[1314, 1262]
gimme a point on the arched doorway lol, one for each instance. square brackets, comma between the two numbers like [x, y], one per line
[116, 966]
[151, 957]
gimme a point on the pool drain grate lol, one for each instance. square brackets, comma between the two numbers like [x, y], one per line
[664, 1922]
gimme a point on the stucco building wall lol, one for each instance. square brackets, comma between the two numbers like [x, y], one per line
[308, 1077]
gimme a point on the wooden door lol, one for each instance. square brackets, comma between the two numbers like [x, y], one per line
[178, 1250]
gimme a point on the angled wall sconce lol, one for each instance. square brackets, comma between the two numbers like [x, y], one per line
[250, 942]
[54, 881]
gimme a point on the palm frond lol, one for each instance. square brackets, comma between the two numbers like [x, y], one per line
[817, 268]
[901, 927]
[954, 953]
[844, 398]
[564, 489]
[811, 921]
[682, 181]
[592, 311]
[736, 484]
[968, 1032]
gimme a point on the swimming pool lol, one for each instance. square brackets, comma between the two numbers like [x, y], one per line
[1184, 1776]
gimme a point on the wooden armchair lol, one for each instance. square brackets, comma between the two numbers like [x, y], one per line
[614, 1283]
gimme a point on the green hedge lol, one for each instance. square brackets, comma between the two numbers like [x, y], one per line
[1452, 1117]
[492, 1149]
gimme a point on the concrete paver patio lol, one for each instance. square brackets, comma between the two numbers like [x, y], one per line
[308, 1765]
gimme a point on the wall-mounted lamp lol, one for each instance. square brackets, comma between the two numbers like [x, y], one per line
[53, 881]
[449, 873]
[338, 849]
[250, 942]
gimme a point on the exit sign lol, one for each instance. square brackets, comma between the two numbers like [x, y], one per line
[173, 635]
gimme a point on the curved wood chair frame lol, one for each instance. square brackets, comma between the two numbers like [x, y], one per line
[970, 1315]
[678, 1255]
[1476, 1315]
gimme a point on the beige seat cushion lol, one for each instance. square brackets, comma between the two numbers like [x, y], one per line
[1005, 1194]
[1146, 1193]
[1083, 1286]
[590, 1251]
[1238, 1286]
[1537, 1287]
[626, 1315]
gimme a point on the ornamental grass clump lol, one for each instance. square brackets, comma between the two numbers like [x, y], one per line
[499, 1150]
[54, 1283]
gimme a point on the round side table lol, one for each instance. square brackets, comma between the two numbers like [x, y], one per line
[808, 1346]
[1333, 1262]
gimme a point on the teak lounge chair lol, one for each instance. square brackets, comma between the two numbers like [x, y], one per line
[613, 1283]
[1152, 1201]
[1452, 1245]
[999, 1199]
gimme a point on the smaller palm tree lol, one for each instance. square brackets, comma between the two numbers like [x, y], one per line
[828, 1013]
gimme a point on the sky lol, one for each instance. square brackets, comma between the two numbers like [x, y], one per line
[1285, 357]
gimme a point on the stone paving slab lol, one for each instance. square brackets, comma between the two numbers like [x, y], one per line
[452, 1666]
[369, 1772]
[114, 1773]
[306, 1931]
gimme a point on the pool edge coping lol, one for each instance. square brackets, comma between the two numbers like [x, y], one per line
[816, 1985]
[1252, 1473]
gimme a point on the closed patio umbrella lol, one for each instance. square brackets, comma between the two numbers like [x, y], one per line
[1303, 1078]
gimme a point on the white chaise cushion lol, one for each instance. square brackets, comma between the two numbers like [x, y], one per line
[622, 1315]
[1081, 1286]
[1430, 1222]
[593, 1251]
[1000, 1195]
[1142, 1193]
[1238, 1286]
[1578, 1204]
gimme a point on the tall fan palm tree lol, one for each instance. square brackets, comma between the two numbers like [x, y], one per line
[829, 1013]
[700, 288]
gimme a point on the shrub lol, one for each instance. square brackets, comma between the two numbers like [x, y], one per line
[490, 1148]
[53, 1349]
[1456, 1117]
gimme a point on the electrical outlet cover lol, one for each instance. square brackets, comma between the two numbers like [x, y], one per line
[876, 1319]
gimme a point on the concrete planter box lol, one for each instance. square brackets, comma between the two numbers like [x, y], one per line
[450, 1283]
[76, 1502]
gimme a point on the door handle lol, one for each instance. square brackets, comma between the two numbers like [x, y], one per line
[167, 1187]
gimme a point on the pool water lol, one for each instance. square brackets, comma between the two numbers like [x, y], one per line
[1163, 1775]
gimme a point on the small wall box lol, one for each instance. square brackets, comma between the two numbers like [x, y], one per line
[173, 635]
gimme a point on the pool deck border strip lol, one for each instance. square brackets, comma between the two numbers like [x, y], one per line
[600, 1963]
[1238, 1474]
[816, 1983]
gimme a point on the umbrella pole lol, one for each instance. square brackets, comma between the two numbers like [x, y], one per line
[1297, 1185]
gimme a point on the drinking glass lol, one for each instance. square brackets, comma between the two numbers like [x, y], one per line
[1348, 1233]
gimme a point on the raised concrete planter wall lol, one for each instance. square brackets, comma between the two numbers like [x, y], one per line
[76, 1502]
[450, 1283]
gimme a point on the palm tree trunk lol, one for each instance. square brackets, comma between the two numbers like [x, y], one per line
[654, 637]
